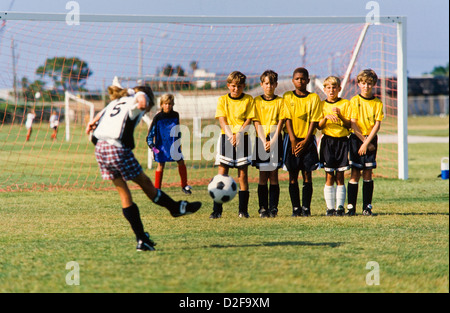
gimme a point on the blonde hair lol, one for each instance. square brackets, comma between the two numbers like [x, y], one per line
[332, 80]
[117, 93]
[236, 77]
[367, 75]
[168, 97]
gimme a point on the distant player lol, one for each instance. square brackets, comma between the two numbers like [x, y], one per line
[29, 123]
[303, 111]
[54, 123]
[163, 138]
[113, 151]
[366, 117]
[335, 127]
[268, 150]
[235, 112]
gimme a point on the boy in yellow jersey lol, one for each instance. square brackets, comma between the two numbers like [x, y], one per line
[302, 111]
[235, 112]
[366, 117]
[335, 127]
[268, 148]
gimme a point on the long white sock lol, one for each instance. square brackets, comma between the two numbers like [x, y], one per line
[340, 195]
[330, 196]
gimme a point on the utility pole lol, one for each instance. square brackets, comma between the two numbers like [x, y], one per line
[303, 51]
[13, 53]
[140, 64]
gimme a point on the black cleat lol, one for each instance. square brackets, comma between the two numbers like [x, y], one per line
[273, 212]
[187, 190]
[367, 211]
[351, 211]
[296, 212]
[263, 212]
[340, 211]
[215, 215]
[185, 208]
[306, 211]
[331, 212]
[244, 214]
[145, 244]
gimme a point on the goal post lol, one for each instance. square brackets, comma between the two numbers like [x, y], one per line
[190, 57]
[67, 97]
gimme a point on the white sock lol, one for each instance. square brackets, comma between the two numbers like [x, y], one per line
[340, 195]
[330, 196]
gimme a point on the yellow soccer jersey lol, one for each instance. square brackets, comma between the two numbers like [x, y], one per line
[366, 112]
[268, 113]
[302, 111]
[336, 129]
[236, 111]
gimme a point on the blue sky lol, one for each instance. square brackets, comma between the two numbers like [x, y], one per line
[428, 21]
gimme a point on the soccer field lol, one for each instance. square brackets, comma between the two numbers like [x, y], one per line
[404, 247]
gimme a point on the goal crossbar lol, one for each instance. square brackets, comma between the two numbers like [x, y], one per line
[199, 19]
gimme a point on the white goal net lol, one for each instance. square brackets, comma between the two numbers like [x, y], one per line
[71, 66]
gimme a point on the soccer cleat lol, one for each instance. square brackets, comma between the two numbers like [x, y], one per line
[367, 211]
[263, 212]
[340, 211]
[145, 244]
[306, 211]
[273, 212]
[296, 212]
[185, 208]
[215, 215]
[244, 214]
[187, 189]
[351, 211]
[331, 212]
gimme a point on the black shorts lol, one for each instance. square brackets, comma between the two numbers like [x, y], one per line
[234, 157]
[362, 162]
[334, 153]
[267, 161]
[307, 161]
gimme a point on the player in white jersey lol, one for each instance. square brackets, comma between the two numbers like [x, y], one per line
[54, 123]
[29, 123]
[113, 129]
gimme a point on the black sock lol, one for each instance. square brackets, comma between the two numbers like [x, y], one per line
[218, 207]
[164, 200]
[352, 194]
[274, 196]
[294, 192]
[243, 201]
[134, 218]
[263, 198]
[307, 192]
[367, 192]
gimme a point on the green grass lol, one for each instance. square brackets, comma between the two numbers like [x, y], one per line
[40, 232]
[429, 126]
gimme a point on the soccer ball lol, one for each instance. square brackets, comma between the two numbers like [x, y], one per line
[222, 188]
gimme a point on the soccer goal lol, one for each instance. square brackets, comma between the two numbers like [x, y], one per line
[190, 57]
[74, 113]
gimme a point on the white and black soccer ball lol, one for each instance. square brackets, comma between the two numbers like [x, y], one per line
[222, 188]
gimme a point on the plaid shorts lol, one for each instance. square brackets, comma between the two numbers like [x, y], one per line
[115, 162]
